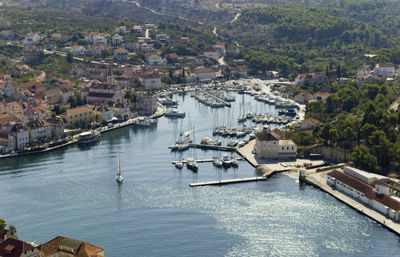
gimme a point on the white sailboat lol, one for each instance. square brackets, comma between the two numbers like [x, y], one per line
[119, 177]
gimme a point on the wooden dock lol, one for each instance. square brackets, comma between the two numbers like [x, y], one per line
[213, 147]
[227, 181]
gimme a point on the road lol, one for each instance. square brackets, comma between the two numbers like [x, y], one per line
[159, 13]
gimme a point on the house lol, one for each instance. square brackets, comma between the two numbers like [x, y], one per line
[104, 93]
[16, 248]
[310, 78]
[95, 51]
[137, 29]
[172, 58]
[321, 95]
[364, 70]
[162, 37]
[140, 45]
[306, 124]
[79, 114]
[32, 53]
[31, 39]
[212, 53]
[68, 247]
[77, 50]
[39, 130]
[150, 26]
[121, 54]
[96, 38]
[116, 40]
[303, 97]
[269, 146]
[203, 74]
[376, 194]
[220, 47]
[21, 134]
[366, 78]
[57, 127]
[7, 35]
[152, 80]
[120, 30]
[146, 104]
[385, 70]
[233, 50]
[7, 145]
[155, 60]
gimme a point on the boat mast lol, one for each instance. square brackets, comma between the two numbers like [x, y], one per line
[119, 168]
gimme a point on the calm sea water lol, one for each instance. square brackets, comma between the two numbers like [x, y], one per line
[72, 192]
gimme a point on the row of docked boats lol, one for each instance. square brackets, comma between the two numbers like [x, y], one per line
[183, 143]
[233, 132]
[145, 122]
[174, 113]
[191, 164]
[278, 102]
[207, 100]
[286, 116]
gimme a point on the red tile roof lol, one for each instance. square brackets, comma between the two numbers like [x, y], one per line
[266, 135]
[14, 248]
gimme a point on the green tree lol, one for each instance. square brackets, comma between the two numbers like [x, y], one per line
[363, 159]
[69, 57]
[13, 231]
[3, 224]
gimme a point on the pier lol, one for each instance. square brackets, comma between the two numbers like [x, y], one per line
[213, 147]
[216, 98]
[204, 160]
[318, 180]
[227, 181]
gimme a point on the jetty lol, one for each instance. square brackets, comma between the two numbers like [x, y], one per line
[216, 98]
[204, 160]
[213, 147]
[227, 181]
[318, 180]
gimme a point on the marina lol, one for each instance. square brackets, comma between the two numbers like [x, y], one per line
[155, 196]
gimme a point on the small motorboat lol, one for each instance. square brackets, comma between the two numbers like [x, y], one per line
[179, 164]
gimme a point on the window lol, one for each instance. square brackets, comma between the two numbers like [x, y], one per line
[292, 148]
[283, 148]
[287, 148]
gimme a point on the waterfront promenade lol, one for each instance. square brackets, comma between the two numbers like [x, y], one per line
[318, 180]
[159, 113]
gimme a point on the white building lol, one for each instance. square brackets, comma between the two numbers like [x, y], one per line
[77, 50]
[152, 81]
[21, 134]
[203, 74]
[269, 146]
[363, 176]
[162, 37]
[155, 60]
[31, 39]
[39, 130]
[377, 197]
[385, 70]
[116, 40]
[120, 30]
[212, 53]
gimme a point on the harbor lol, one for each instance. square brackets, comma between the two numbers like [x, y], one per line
[155, 196]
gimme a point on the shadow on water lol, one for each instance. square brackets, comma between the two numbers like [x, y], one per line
[17, 165]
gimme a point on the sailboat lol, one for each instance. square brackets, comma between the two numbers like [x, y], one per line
[119, 177]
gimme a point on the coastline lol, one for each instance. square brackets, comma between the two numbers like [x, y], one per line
[161, 110]
[316, 180]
